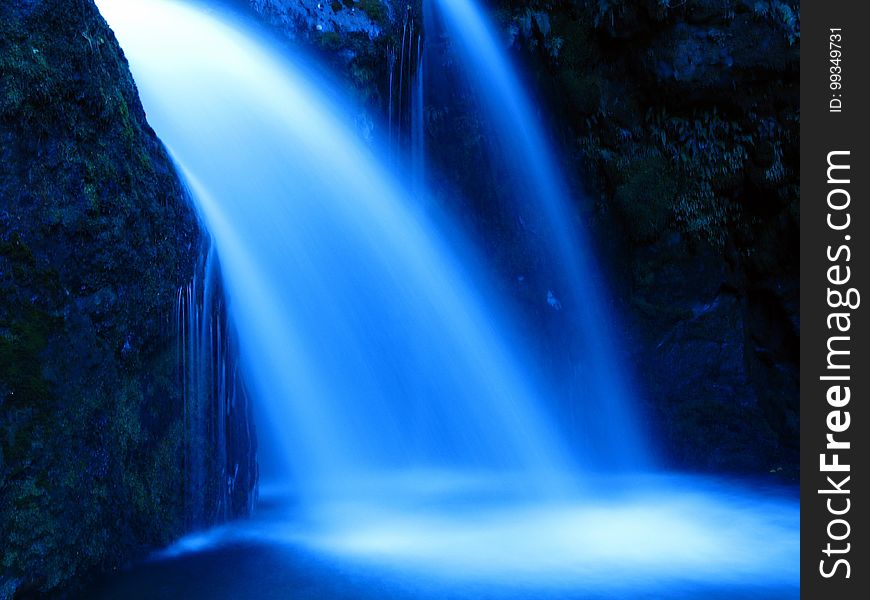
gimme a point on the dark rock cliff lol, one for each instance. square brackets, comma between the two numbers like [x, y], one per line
[97, 242]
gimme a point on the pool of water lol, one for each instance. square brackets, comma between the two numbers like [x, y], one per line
[443, 535]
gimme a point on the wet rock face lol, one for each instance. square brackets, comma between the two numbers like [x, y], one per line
[711, 268]
[371, 45]
[718, 355]
[308, 18]
[96, 238]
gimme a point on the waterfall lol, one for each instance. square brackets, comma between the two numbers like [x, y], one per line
[368, 343]
[422, 450]
[545, 208]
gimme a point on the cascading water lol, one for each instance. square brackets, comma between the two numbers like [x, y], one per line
[543, 203]
[366, 340]
[422, 454]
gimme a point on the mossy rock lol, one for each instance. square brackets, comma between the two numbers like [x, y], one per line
[583, 91]
[644, 196]
[377, 11]
[96, 236]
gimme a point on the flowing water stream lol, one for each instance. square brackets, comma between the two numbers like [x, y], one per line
[542, 202]
[421, 456]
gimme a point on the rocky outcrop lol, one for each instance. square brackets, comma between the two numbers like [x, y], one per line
[97, 238]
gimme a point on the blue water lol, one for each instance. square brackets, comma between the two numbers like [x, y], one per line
[418, 454]
[365, 337]
[443, 536]
[547, 207]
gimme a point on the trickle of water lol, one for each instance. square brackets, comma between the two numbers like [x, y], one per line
[212, 391]
[418, 125]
